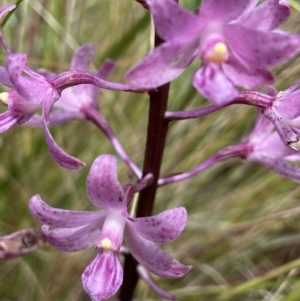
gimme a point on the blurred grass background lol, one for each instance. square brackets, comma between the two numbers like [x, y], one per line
[243, 233]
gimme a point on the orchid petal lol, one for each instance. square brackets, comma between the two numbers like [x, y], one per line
[173, 22]
[282, 167]
[223, 11]
[62, 218]
[7, 121]
[267, 16]
[284, 130]
[272, 147]
[105, 70]
[4, 78]
[73, 239]
[153, 258]
[214, 85]
[81, 60]
[289, 107]
[3, 11]
[242, 74]
[61, 157]
[163, 64]
[103, 276]
[33, 90]
[83, 57]
[262, 129]
[161, 228]
[103, 187]
[6, 9]
[259, 48]
[20, 106]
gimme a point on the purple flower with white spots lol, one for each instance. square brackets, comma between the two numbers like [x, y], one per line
[234, 39]
[76, 230]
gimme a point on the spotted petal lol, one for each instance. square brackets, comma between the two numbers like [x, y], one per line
[267, 16]
[161, 228]
[240, 73]
[103, 276]
[103, 186]
[173, 22]
[163, 64]
[153, 258]
[73, 239]
[260, 48]
[61, 218]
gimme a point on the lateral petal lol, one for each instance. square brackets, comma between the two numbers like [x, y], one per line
[73, 239]
[103, 187]
[61, 218]
[162, 227]
[242, 74]
[163, 64]
[153, 258]
[260, 48]
[103, 276]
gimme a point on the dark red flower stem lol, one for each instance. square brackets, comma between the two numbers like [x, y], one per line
[155, 144]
